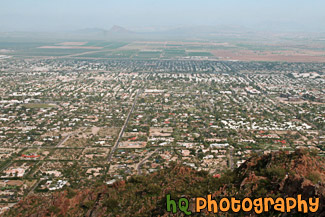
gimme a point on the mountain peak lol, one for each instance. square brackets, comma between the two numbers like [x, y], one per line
[119, 29]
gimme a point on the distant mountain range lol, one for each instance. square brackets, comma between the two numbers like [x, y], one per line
[187, 32]
[198, 32]
[114, 30]
[119, 30]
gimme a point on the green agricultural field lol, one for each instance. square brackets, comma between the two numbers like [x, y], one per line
[115, 45]
[174, 45]
[111, 54]
[148, 54]
[169, 53]
[123, 53]
[20, 45]
[204, 54]
[105, 44]
[32, 49]
[98, 43]
[100, 54]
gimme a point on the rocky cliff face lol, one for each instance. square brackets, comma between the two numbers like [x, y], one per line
[274, 175]
[284, 175]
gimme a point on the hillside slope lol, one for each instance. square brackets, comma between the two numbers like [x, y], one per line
[274, 175]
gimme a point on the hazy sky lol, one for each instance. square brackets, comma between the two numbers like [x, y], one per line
[44, 15]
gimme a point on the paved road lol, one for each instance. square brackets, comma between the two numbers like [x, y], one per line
[5, 166]
[33, 188]
[68, 136]
[63, 141]
[144, 159]
[109, 158]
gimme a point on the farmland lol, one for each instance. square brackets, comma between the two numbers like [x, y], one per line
[233, 50]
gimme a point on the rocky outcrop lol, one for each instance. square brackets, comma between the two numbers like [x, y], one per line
[274, 175]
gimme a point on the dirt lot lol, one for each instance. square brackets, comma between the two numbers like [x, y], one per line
[73, 43]
[282, 56]
[161, 131]
[71, 47]
[132, 144]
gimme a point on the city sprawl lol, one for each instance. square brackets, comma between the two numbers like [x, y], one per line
[71, 122]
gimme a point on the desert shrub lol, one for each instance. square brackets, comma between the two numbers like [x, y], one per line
[70, 193]
[111, 204]
[153, 189]
[314, 176]
[276, 172]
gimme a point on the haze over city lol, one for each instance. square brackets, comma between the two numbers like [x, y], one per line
[148, 15]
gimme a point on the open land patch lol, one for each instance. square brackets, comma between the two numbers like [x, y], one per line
[71, 47]
[281, 56]
[73, 43]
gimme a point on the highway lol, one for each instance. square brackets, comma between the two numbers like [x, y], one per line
[109, 158]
